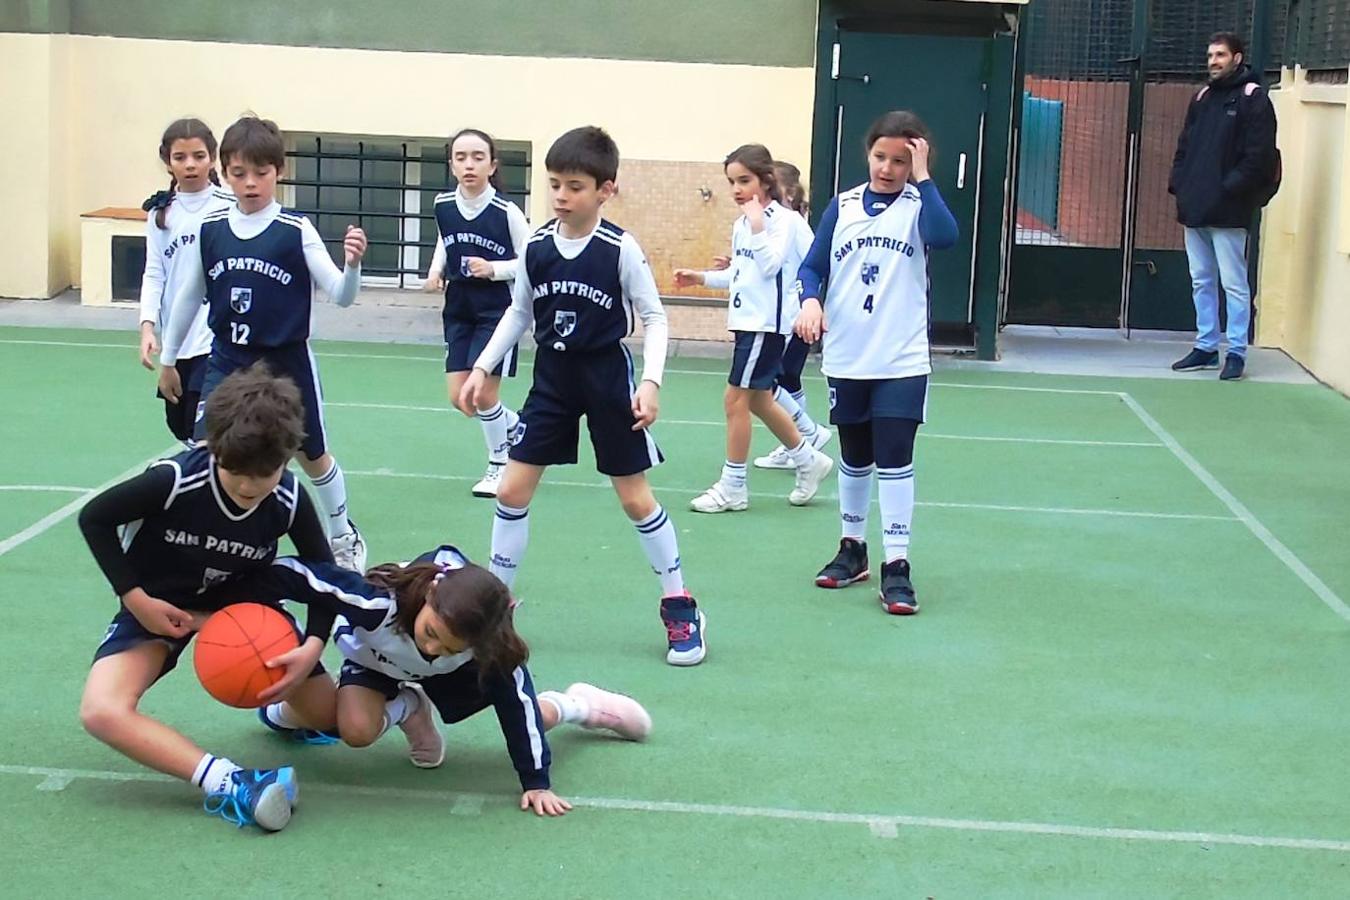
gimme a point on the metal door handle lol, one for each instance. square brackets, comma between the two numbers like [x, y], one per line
[961, 173]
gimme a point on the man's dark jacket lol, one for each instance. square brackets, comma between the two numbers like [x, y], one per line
[1226, 153]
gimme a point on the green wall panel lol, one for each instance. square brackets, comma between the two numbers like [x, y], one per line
[770, 32]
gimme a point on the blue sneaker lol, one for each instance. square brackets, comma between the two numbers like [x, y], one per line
[255, 797]
[685, 630]
[299, 735]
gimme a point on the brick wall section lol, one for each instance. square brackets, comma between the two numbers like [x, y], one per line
[660, 203]
[1093, 156]
[1164, 114]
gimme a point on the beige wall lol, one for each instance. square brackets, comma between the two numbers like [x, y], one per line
[1304, 294]
[33, 185]
[92, 108]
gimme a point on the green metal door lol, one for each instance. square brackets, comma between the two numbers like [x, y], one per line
[943, 80]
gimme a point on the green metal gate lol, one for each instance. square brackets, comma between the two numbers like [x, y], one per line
[1106, 90]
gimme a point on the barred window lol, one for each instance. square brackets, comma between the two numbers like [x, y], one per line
[388, 187]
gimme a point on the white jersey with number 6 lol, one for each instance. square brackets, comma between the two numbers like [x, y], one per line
[876, 307]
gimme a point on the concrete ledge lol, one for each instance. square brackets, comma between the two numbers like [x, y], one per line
[97, 230]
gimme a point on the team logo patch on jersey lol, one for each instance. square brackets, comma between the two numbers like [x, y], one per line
[564, 322]
[870, 272]
[212, 577]
[241, 299]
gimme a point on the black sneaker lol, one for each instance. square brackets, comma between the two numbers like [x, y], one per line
[897, 591]
[1233, 367]
[849, 566]
[1197, 359]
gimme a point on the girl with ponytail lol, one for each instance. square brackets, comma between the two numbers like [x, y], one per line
[438, 634]
[188, 151]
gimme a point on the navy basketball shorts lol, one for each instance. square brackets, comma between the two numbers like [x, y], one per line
[296, 362]
[181, 417]
[598, 385]
[794, 361]
[456, 695]
[857, 400]
[465, 338]
[757, 360]
[126, 631]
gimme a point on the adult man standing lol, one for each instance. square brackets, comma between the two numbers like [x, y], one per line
[1221, 174]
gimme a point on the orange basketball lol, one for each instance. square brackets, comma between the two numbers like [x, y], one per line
[233, 647]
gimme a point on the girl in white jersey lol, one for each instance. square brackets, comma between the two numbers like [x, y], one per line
[188, 151]
[872, 248]
[482, 235]
[437, 636]
[763, 268]
[789, 392]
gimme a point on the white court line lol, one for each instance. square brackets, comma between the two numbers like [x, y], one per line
[1243, 514]
[883, 825]
[931, 435]
[44, 488]
[719, 373]
[56, 517]
[691, 492]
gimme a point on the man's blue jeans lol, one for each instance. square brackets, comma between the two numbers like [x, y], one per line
[1219, 256]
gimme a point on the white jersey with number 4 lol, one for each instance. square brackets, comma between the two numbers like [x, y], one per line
[876, 307]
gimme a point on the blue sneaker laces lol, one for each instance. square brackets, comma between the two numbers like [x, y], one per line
[234, 804]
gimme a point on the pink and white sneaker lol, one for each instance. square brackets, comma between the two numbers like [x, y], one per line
[613, 712]
[426, 744]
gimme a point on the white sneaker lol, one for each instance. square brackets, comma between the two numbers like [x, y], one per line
[778, 459]
[821, 437]
[426, 744]
[809, 478]
[613, 712]
[718, 499]
[492, 479]
[349, 550]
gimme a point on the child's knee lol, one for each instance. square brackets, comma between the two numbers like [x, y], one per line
[103, 716]
[360, 734]
[735, 401]
[638, 508]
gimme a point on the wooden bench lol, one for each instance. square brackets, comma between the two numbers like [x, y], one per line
[98, 232]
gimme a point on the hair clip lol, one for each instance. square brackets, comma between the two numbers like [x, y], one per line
[157, 200]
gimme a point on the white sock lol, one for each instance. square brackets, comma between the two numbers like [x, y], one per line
[800, 397]
[803, 454]
[571, 710]
[279, 714]
[396, 711]
[855, 500]
[331, 490]
[896, 490]
[733, 475]
[497, 427]
[510, 535]
[800, 417]
[657, 534]
[213, 774]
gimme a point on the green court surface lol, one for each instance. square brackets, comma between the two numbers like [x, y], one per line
[1128, 679]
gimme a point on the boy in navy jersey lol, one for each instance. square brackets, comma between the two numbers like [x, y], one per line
[257, 266]
[185, 538]
[582, 280]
